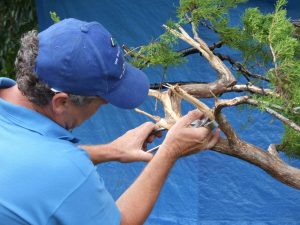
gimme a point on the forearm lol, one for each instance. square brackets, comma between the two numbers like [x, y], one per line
[101, 153]
[138, 200]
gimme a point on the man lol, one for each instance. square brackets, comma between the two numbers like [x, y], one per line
[63, 76]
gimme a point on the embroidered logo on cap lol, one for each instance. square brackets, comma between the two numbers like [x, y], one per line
[113, 42]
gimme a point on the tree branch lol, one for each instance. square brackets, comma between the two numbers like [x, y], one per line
[252, 89]
[202, 47]
[271, 163]
[216, 88]
[246, 100]
[241, 68]
[200, 105]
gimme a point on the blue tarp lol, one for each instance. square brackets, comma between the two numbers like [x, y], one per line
[207, 188]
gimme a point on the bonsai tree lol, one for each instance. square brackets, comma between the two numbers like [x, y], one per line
[266, 76]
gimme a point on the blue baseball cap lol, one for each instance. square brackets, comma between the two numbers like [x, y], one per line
[82, 58]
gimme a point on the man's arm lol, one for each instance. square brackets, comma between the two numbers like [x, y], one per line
[127, 148]
[138, 200]
[101, 153]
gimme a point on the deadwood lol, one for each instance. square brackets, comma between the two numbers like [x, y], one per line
[246, 100]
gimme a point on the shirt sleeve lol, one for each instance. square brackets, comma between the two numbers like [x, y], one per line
[88, 204]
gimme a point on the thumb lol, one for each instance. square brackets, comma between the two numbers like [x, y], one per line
[145, 129]
[145, 156]
[214, 140]
[189, 118]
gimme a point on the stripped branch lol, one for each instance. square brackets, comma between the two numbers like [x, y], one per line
[246, 100]
[159, 121]
[273, 151]
[205, 90]
[252, 89]
[224, 73]
[198, 104]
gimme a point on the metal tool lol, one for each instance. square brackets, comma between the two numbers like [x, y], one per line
[197, 123]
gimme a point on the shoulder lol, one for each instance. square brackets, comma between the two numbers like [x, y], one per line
[88, 201]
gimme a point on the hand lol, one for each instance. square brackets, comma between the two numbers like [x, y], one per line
[131, 146]
[182, 139]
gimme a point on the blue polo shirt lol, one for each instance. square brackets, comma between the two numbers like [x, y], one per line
[44, 177]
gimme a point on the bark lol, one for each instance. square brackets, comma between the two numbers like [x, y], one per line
[269, 162]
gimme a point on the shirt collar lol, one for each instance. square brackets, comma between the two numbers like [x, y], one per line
[31, 120]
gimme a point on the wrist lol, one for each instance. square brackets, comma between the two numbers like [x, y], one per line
[167, 153]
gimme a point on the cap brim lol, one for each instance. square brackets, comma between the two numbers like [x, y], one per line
[132, 91]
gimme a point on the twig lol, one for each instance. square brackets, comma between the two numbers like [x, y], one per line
[213, 60]
[155, 118]
[251, 88]
[246, 100]
[273, 151]
[160, 86]
[285, 120]
[240, 67]
[159, 121]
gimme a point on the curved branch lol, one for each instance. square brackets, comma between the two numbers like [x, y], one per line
[239, 67]
[216, 88]
[202, 47]
[266, 161]
[246, 100]
[189, 98]
[279, 116]
[252, 89]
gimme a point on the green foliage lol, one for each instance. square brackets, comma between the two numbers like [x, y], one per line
[17, 17]
[212, 10]
[162, 52]
[55, 18]
[242, 40]
[285, 76]
[268, 40]
[159, 52]
[291, 143]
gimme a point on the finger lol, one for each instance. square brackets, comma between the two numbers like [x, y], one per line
[151, 138]
[145, 129]
[214, 140]
[203, 131]
[189, 118]
[145, 156]
[157, 133]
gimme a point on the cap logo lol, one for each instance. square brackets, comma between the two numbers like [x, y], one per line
[117, 58]
[113, 42]
[123, 71]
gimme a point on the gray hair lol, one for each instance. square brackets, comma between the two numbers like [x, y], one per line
[28, 83]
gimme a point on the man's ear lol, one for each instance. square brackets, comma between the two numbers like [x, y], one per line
[60, 103]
